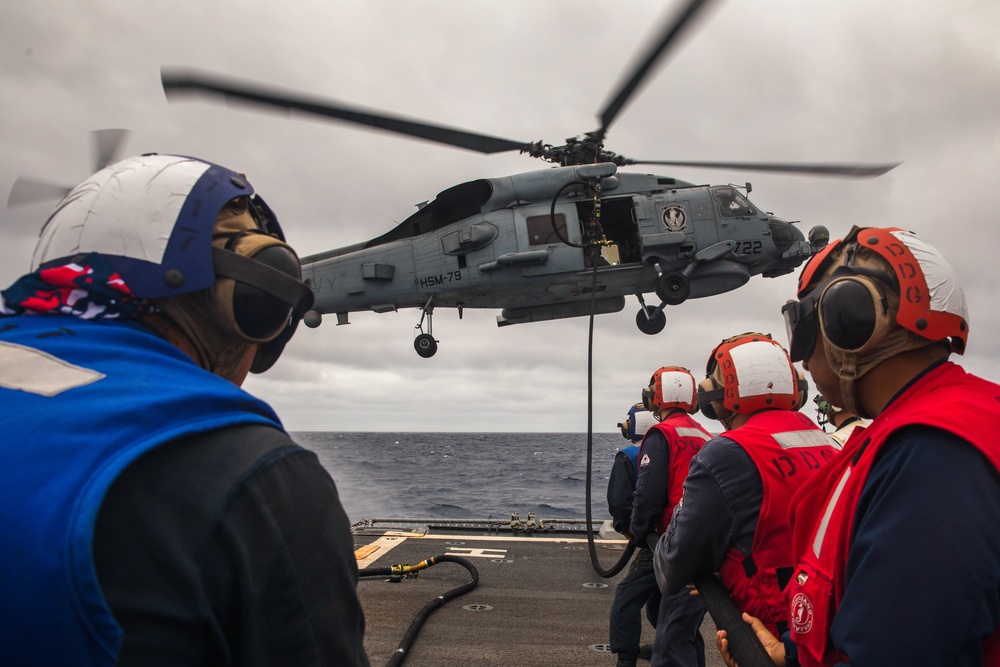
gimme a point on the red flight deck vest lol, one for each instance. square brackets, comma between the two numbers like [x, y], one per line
[823, 511]
[787, 448]
[685, 438]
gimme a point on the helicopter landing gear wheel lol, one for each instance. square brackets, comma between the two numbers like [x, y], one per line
[650, 321]
[425, 345]
[673, 288]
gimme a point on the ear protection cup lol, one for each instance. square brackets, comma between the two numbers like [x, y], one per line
[648, 393]
[258, 290]
[849, 309]
[257, 313]
[268, 353]
[803, 385]
[265, 299]
[853, 314]
[931, 300]
[708, 391]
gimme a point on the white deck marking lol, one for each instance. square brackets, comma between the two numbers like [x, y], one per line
[469, 552]
[384, 545]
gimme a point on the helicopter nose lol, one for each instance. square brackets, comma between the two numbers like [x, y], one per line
[784, 233]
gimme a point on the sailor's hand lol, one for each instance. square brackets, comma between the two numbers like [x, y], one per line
[775, 649]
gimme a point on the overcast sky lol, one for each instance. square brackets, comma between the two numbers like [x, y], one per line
[915, 81]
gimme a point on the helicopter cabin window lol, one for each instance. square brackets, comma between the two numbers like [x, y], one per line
[732, 204]
[541, 231]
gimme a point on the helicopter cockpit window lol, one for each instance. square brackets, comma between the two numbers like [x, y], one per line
[540, 231]
[456, 203]
[732, 204]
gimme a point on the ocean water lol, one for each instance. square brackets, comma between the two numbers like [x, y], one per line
[465, 475]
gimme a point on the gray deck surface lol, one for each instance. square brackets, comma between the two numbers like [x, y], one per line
[538, 602]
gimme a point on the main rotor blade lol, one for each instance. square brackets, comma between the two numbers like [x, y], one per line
[107, 143]
[822, 169]
[187, 82]
[30, 191]
[670, 33]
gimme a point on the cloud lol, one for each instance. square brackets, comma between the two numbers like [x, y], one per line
[830, 80]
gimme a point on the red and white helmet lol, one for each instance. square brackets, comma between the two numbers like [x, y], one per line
[748, 373]
[671, 388]
[876, 294]
[931, 301]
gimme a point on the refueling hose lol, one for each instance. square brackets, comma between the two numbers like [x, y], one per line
[587, 244]
[590, 245]
[744, 645]
[402, 651]
[630, 549]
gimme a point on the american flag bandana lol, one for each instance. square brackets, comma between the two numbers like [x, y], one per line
[86, 287]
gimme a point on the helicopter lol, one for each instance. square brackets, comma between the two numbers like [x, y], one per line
[561, 242]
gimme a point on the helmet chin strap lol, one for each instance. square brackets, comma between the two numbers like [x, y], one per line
[850, 368]
[848, 384]
[726, 416]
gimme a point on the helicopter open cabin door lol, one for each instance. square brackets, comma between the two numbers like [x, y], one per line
[555, 280]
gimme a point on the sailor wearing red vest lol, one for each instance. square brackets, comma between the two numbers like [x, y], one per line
[733, 515]
[842, 421]
[896, 542]
[664, 457]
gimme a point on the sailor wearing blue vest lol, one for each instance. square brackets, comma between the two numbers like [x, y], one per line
[152, 511]
[638, 588]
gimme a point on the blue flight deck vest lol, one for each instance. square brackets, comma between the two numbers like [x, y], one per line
[632, 452]
[79, 402]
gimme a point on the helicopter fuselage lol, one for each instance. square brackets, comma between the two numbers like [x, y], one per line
[502, 243]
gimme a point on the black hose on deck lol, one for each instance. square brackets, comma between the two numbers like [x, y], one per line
[744, 646]
[402, 650]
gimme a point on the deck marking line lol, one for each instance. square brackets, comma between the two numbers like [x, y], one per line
[470, 552]
[365, 551]
[380, 547]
